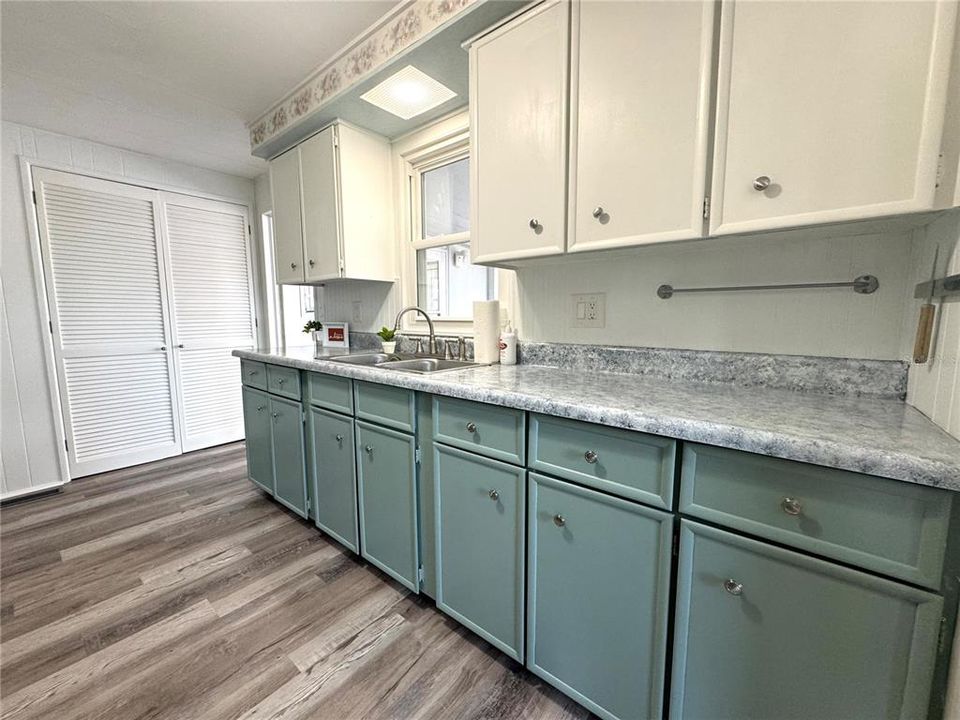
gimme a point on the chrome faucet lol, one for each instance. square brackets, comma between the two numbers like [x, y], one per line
[432, 344]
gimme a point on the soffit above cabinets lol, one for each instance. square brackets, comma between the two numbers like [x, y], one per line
[426, 35]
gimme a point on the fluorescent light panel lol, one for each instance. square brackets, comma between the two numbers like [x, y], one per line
[408, 93]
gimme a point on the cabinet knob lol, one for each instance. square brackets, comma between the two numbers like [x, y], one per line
[791, 506]
[253, 372]
[471, 427]
[280, 381]
[559, 520]
[535, 225]
[311, 263]
[339, 439]
[733, 587]
[761, 183]
[293, 266]
[276, 415]
[368, 448]
[598, 212]
[494, 495]
[591, 457]
[261, 408]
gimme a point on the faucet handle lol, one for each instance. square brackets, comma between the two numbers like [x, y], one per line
[461, 348]
[419, 350]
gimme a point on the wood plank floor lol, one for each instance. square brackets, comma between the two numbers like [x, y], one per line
[178, 590]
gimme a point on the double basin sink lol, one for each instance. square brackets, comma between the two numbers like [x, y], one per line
[404, 362]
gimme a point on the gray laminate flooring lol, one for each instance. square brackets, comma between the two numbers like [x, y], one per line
[178, 590]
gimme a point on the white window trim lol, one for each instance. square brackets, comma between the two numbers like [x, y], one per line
[438, 144]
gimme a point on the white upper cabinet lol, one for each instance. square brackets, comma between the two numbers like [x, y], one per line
[640, 121]
[518, 107]
[828, 111]
[333, 208]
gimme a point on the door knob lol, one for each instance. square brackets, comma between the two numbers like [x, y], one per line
[761, 183]
[163, 348]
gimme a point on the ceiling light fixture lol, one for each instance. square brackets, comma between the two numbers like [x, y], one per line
[408, 93]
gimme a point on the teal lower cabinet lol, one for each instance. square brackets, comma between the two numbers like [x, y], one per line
[763, 632]
[386, 471]
[480, 508]
[598, 580]
[289, 468]
[333, 474]
[256, 423]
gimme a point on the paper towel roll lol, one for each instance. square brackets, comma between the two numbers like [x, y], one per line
[486, 331]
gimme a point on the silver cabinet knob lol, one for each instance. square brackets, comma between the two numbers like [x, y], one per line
[791, 506]
[559, 520]
[279, 381]
[293, 266]
[261, 408]
[598, 212]
[368, 448]
[761, 183]
[733, 587]
[311, 263]
[591, 457]
[253, 372]
[275, 415]
[471, 427]
[339, 438]
[494, 495]
[535, 225]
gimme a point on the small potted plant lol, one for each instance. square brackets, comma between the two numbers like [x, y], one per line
[313, 328]
[387, 339]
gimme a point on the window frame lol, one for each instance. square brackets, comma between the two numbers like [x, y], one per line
[441, 143]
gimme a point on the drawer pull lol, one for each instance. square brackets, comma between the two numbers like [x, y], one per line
[253, 372]
[591, 457]
[559, 520]
[733, 587]
[494, 495]
[791, 506]
[280, 381]
[471, 427]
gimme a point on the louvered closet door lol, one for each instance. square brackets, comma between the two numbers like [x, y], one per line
[104, 279]
[212, 301]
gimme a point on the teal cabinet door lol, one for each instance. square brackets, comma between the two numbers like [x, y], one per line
[256, 424]
[333, 475]
[599, 592]
[480, 507]
[763, 632]
[289, 473]
[386, 470]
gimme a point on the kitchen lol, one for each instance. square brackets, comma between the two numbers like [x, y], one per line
[477, 358]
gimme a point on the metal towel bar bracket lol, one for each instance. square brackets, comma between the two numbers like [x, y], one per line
[865, 284]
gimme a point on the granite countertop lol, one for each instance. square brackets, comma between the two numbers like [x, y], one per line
[878, 436]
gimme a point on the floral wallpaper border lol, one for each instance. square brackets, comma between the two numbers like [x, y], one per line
[403, 29]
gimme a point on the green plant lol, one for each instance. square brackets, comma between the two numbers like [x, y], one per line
[386, 334]
[312, 325]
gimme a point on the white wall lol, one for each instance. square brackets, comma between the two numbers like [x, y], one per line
[934, 387]
[835, 322]
[30, 452]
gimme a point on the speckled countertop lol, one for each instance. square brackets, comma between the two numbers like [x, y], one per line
[878, 436]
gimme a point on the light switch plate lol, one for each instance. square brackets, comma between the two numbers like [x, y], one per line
[589, 310]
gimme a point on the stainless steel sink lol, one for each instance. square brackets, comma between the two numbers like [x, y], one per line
[428, 365]
[369, 358]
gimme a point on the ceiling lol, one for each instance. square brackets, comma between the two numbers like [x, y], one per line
[174, 79]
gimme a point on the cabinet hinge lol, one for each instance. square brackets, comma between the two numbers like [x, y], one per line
[706, 208]
[417, 455]
[420, 576]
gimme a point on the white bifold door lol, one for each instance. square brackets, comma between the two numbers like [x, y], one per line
[148, 292]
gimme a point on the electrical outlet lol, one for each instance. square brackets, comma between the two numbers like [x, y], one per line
[589, 310]
[357, 312]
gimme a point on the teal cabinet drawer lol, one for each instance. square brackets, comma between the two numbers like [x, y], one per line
[333, 475]
[283, 381]
[330, 392]
[631, 464]
[599, 593]
[480, 509]
[764, 632]
[391, 406]
[289, 470]
[493, 431]
[386, 471]
[256, 424]
[254, 374]
[891, 527]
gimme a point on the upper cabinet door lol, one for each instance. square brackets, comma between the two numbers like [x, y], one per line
[641, 93]
[287, 236]
[828, 111]
[518, 105]
[321, 222]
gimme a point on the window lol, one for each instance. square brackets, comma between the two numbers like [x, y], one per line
[440, 277]
[289, 307]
